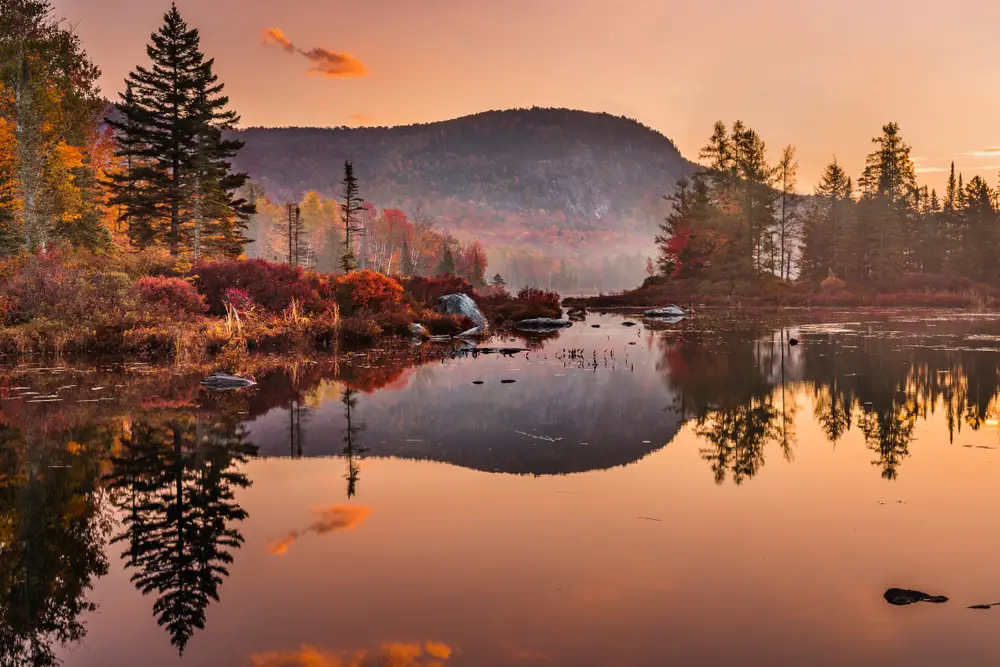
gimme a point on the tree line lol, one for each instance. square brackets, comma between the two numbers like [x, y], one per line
[154, 170]
[738, 220]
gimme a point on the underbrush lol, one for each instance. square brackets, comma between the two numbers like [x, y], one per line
[149, 305]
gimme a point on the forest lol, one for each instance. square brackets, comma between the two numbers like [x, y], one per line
[125, 227]
[738, 227]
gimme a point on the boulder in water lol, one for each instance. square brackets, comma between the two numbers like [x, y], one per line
[418, 331]
[668, 312]
[904, 596]
[462, 305]
[226, 382]
[543, 324]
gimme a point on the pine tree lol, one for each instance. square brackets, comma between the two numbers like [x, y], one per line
[447, 265]
[350, 210]
[178, 188]
[498, 281]
[406, 263]
[950, 198]
[826, 226]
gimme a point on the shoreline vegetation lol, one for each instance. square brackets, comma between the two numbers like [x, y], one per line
[146, 305]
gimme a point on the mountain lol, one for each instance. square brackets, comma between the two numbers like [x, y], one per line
[543, 178]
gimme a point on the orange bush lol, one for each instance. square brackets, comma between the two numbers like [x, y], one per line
[367, 291]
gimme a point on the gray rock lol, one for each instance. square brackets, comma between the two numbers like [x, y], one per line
[418, 330]
[669, 311]
[226, 382]
[543, 324]
[461, 304]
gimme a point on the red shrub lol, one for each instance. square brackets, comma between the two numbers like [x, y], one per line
[272, 286]
[367, 291]
[171, 295]
[238, 298]
[426, 291]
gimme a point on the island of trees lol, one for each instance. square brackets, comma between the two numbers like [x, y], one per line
[739, 233]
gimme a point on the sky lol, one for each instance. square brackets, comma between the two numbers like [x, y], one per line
[823, 75]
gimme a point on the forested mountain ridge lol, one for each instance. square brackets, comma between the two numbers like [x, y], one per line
[521, 174]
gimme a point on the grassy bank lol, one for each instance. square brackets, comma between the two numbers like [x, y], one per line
[149, 305]
[917, 291]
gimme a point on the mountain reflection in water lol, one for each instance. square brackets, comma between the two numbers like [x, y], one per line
[138, 469]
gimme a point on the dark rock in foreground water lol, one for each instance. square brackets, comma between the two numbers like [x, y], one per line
[507, 381]
[226, 382]
[543, 324]
[903, 596]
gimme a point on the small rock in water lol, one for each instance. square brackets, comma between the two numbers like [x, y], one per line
[904, 596]
[628, 323]
[507, 381]
[981, 606]
[226, 382]
[595, 326]
[478, 382]
[793, 341]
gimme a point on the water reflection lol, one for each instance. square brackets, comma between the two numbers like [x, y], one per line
[174, 483]
[52, 539]
[144, 459]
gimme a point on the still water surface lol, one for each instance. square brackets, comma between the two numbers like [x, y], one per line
[699, 494]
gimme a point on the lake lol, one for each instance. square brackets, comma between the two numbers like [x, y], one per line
[703, 493]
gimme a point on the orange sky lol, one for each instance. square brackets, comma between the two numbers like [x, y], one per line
[822, 75]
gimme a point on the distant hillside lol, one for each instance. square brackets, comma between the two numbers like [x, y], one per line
[519, 176]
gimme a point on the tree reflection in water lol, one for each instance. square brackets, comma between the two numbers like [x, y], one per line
[739, 388]
[52, 538]
[175, 482]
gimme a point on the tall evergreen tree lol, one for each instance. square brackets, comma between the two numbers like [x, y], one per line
[406, 263]
[447, 265]
[950, 200]
[350, 211]
[827, 226]
[178, 188]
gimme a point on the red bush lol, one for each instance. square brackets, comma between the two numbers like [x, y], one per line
[272, 286]
[367, 291]
[171, 295]
[427, 291]
[238, 298]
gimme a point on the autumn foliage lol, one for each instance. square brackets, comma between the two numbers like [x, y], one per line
[367, 291]
[171, 295]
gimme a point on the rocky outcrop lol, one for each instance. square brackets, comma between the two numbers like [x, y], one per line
[462, 305]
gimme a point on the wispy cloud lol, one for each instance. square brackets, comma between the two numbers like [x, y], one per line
[992, 151]
[363, 118]
[392, 654]
[331, 64]
[921, 169]
[328, 520]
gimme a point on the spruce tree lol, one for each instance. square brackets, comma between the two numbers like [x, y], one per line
[950, 199]
[407, 266]
[447, 265]
[498, 281]
[178, 188]
[350, 212]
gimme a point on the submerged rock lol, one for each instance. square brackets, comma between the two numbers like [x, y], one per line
[475, 332]
[462, 305]
[629, 323]
[669, 311]
[543, 323]
[226, 382]
[904, 596]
